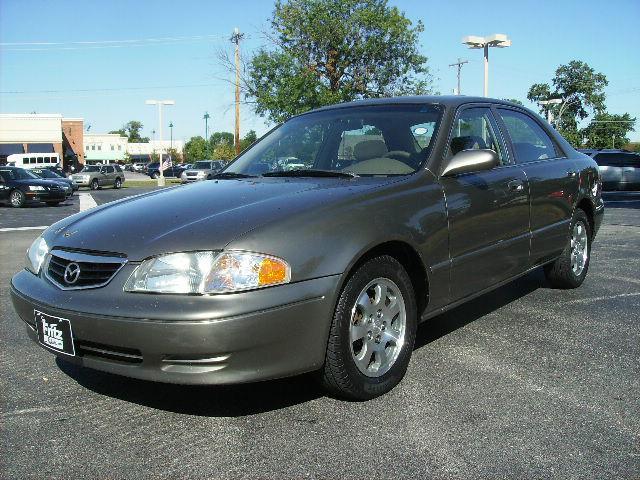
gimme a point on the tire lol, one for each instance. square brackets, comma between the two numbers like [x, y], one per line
[17, 198]
[344, 374]
[155, 175]
[118, 183]
[570, 269]
[95, 185]
[52, 204]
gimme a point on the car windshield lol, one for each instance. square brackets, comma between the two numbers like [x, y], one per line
[17, 174]
[91, 168]
[44, 173]
[359, 140]
[202, 166]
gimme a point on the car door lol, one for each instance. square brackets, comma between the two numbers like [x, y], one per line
[4, 187]
[111, 175]
[553, 181]
[488, 211]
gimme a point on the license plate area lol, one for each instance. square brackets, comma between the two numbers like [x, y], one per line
[54, 333]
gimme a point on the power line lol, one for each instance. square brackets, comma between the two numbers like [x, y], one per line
[88, 45]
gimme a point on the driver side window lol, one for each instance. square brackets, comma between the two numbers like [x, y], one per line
[475, 129]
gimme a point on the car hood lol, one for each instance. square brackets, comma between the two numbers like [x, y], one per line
[201, 216]
[33, 181]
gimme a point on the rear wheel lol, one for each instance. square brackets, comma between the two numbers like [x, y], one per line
[372, 332]
[117, 183]
[94, 184]
[17, 198]
[570, 269]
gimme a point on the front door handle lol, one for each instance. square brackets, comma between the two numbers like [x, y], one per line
[516, 185]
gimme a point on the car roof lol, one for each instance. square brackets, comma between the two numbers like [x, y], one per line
[446, 100]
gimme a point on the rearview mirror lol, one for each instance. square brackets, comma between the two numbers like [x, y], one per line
[468, 161]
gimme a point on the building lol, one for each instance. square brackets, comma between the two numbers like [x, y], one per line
[142, 152]
[105, 148]
[42, 133]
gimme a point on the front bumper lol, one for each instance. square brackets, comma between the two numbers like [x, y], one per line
[46, 196]
[233, 338]
[77, 182]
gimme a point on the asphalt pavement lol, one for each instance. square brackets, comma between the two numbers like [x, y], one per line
[524, 382]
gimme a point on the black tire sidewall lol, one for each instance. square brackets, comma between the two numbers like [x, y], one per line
[381, 267]
[117, 183]
[94, 184]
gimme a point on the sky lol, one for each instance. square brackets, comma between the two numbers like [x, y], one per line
[100, 60]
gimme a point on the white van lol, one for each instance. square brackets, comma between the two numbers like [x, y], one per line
[34, 160]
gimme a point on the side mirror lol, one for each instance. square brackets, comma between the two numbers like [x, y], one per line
[468, 161]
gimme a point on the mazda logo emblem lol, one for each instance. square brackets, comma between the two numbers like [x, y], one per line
[72, 273]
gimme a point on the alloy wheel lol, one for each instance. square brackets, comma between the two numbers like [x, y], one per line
[579, 248]
[378, 327]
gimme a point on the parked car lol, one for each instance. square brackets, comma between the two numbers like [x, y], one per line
[402, 209]
[153, 170]
[20, 186]
[620, 169]
[58, 171]
[97, 176]
[202, 170]
[66, 183]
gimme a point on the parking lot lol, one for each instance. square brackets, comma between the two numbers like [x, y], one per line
[525, 381]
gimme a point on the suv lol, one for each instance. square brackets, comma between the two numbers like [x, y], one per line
[153, 170]
[96, 176]
[202, 170]
[620, 169]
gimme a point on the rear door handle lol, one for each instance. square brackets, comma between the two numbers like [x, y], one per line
[516, 185]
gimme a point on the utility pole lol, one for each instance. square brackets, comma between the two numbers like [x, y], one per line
[459, 64]
[236, 38]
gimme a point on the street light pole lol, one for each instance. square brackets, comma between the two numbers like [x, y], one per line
[171, 127]
[160, 103]
[206, 134]
[498, 40]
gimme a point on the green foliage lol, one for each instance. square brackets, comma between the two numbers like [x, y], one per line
[608, 130]
[195, 149]
[248, 139]
[581, 90]
[154, 157]
[224, 151]
[514, 100]
[219, 137]
[331, 51]
[176, 157]
[131, 130]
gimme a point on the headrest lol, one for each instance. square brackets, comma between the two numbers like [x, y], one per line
[369, 149]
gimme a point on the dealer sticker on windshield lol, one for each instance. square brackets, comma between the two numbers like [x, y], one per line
[55, 333]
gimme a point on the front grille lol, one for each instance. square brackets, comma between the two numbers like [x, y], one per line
[109, 352]
[75, 270]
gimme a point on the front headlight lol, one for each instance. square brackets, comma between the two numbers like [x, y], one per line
[36, 255]
[36, 188]
[208, 272]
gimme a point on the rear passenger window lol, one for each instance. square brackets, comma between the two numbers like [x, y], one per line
[530, 142]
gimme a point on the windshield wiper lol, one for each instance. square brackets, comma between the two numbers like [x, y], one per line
[301, 172]
[232, 175]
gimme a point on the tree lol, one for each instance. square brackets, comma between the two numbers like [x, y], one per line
[248, 139]
[608, 130]
[224, 151]
[131, 130]
[581, 90]
[330, 51]
[195, 149]
[175, 155]
[218, 138]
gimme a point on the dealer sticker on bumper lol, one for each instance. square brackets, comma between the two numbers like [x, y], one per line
[55, 333]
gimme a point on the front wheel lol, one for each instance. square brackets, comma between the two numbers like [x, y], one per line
[570, 269]
[372, 333]
[17, 198]
[154, 175]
